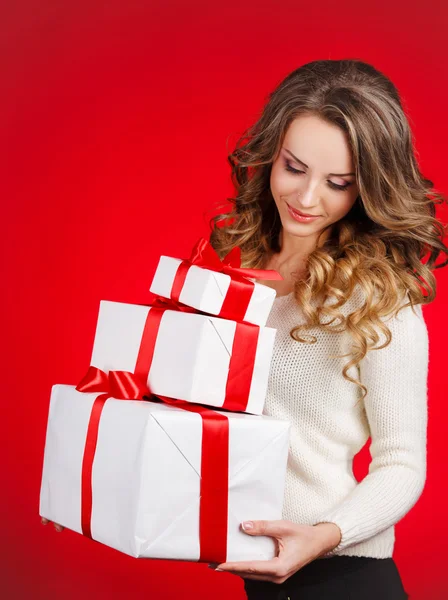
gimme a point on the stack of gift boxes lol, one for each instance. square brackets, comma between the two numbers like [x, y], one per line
[161, 450]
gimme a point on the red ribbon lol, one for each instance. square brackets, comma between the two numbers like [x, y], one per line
[123, 385]
[242, 359]
[240, 290]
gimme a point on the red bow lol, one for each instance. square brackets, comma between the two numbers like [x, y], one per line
[204, 255]
[118, 384]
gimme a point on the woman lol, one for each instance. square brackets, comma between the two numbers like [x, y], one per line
[333, 142]
[351, 353]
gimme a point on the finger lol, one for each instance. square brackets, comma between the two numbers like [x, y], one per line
[255, 577]
[275, 529]
[255, 567]
[58, 527]
[44, 521]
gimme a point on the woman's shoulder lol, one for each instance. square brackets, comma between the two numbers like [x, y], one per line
[359, 297]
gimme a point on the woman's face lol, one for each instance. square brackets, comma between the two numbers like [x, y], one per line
[313, 174]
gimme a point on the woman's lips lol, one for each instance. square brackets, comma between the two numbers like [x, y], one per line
[299, 217]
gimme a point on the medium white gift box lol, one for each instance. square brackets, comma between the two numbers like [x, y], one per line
[206, 290]
[146, 473]
[192, 354]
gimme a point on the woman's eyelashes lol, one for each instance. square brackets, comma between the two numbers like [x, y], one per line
[334, 186]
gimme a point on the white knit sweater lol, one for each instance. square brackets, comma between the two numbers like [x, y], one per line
[307, 388]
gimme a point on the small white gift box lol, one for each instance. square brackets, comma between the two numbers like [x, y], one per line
[146, 475]
[206, 290]
[197, 358]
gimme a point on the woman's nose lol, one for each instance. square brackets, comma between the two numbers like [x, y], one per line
[308, 195]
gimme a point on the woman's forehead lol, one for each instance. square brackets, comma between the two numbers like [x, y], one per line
[319, 145]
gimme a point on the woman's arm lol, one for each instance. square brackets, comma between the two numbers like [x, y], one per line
[396, 408]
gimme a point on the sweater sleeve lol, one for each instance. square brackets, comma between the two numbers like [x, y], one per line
[396, 409]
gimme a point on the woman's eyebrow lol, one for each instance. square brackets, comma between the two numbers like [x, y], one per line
[306, 166]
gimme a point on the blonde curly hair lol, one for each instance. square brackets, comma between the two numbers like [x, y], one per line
[381, 244]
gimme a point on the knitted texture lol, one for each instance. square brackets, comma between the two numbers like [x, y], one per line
[329, 427]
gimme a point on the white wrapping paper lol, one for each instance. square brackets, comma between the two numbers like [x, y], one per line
[205, 290]
[146, 475]
[191, 357]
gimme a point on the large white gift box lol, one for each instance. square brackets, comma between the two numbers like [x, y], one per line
[206, 290]
[194, 358]
[146, 475]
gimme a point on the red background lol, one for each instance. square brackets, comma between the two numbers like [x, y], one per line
[114, 122]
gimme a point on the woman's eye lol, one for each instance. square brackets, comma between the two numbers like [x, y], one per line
[290, 169]
[333, 186]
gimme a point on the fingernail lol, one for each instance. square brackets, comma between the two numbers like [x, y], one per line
[214, 567]
[248, 525]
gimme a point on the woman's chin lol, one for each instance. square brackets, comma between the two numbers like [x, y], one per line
[291, 227]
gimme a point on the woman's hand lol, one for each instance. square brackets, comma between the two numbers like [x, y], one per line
[297, 546]
[45, 521]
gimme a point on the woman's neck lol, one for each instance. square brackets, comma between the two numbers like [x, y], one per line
[291, 260]
[294, 250]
